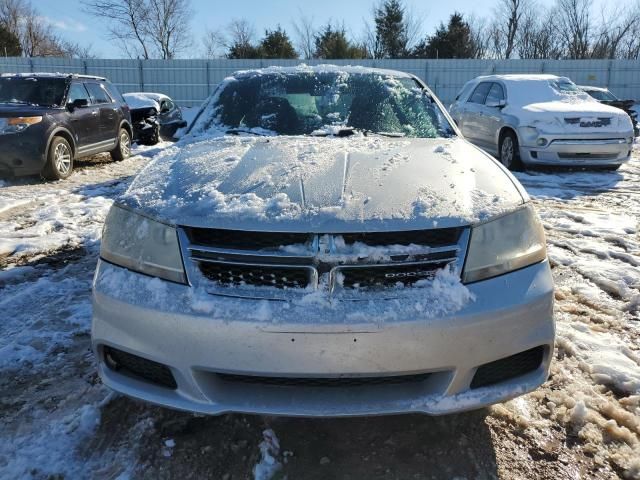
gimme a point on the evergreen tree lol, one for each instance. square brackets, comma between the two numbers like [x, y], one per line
[276, 44]
[391, 30]
[9, 43]
[332, 43]
[243, 50]
[450, 41]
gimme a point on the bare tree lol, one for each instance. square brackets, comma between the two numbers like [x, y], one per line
[237, 40]
[168, 26]
[574, 26]
[371, 41]
[305, 34]
[538, 36]
[613, 29]
[508, 16]
[35, 35]
[145, 28]
[480, 36]
[125, 22]
[214, 43]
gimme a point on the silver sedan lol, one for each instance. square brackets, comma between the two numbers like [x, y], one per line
[323, 242]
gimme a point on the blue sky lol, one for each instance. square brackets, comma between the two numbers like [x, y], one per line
[69, 21]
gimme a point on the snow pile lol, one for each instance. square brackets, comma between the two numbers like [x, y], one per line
[49, 453]
[444, 295]
[605, 357]
[269, 451]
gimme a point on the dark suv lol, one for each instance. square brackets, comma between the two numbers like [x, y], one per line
[48, 120]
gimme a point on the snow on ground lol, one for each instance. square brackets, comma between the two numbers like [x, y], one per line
[59, 421]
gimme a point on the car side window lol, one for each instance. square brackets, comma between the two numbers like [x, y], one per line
[77, 91]
[114, 92]
[495, 95]
[480, 93]
[166, 106]
[98, 94]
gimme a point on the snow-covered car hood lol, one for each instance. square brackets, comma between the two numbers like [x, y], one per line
[580, 116]
[325, 185]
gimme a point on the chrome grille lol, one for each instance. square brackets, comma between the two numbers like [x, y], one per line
[278, 276]
[237, 262]
[431, 238]
[588, 122]
[371, 276]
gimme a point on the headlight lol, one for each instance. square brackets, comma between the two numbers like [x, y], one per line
[508, 243]
[529, 134]
[141, 244]
[17, 124]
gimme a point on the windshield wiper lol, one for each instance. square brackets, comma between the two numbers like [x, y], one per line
[348, 131]
[237, 131]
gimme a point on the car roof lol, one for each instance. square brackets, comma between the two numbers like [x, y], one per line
[589, 88]
[52, 75]
[151, 95]
[519, 77]
[322, 68]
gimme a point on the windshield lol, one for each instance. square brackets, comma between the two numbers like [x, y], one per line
[327, 103]
[32, 91]
[602, 95]
[567, 87]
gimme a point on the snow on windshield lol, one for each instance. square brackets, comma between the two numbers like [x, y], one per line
[314, 101]
[525, 91]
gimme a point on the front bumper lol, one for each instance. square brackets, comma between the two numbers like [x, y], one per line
[579, 151]
[22, 153]
[199, 347]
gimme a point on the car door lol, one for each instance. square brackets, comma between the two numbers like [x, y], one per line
[473, 110]
[108, 113]
[491, 117]
[85, 120]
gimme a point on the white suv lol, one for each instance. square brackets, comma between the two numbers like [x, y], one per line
[541, 120]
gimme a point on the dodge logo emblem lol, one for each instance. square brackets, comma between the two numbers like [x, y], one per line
[419, 273]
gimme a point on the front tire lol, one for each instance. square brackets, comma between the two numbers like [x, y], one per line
[123, 148]
[509, 150]
[59, 160]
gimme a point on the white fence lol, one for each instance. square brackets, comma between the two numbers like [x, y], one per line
[189, 82]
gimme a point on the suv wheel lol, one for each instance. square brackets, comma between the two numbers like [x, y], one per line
[59, 160]
[123, 148]
[510, 151]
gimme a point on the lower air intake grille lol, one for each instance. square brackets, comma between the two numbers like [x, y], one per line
[508, 368]
[324, 381]
[262, 276]
[139, 367]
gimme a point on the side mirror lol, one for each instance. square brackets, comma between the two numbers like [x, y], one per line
[78, 103]
[498, 104]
